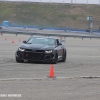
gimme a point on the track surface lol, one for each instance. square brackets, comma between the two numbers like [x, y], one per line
[76, 79]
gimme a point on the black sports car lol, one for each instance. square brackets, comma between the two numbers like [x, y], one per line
[43, 49]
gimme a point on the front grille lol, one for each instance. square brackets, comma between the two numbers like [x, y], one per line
[42, 51]
[34, 55]
[32, 50]
[28, 50]
[37, 56]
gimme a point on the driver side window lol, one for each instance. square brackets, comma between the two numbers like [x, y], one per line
[57, 42]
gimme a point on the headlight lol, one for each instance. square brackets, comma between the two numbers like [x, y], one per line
[21, 49]
[48, 51]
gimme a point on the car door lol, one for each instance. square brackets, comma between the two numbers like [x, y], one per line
[59, 49]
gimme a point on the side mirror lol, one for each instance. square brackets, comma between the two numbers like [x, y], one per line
[59, 43]
[24, 42]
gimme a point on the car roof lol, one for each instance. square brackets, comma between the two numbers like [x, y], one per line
[45, 37]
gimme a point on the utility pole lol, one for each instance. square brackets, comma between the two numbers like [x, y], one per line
[90, 24]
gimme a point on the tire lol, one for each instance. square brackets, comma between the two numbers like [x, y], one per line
[64, 57]
[29, 61]
[19, 61]
[56, 59]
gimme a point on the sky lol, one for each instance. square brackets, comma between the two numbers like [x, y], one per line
[62, 1]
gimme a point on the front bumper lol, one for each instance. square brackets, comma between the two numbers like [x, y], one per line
[35, 56]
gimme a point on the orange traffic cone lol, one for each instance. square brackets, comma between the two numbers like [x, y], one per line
[51, 74]
[5, 39]
[19, 40]
[12, 41]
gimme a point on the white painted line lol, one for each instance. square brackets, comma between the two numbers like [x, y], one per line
[12, 79]
[82, 93]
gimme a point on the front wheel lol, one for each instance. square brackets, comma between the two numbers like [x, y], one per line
[56, 59]
[19, 61]
[64, 57]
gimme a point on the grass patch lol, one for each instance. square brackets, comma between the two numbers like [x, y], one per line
[47, 14]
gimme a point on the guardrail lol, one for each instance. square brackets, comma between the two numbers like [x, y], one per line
[59, 1]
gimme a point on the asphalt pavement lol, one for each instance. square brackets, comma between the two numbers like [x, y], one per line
[76, 79]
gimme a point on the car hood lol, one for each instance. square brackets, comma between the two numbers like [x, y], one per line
[37, 46]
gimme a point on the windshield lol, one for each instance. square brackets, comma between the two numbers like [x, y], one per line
[38, 40]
